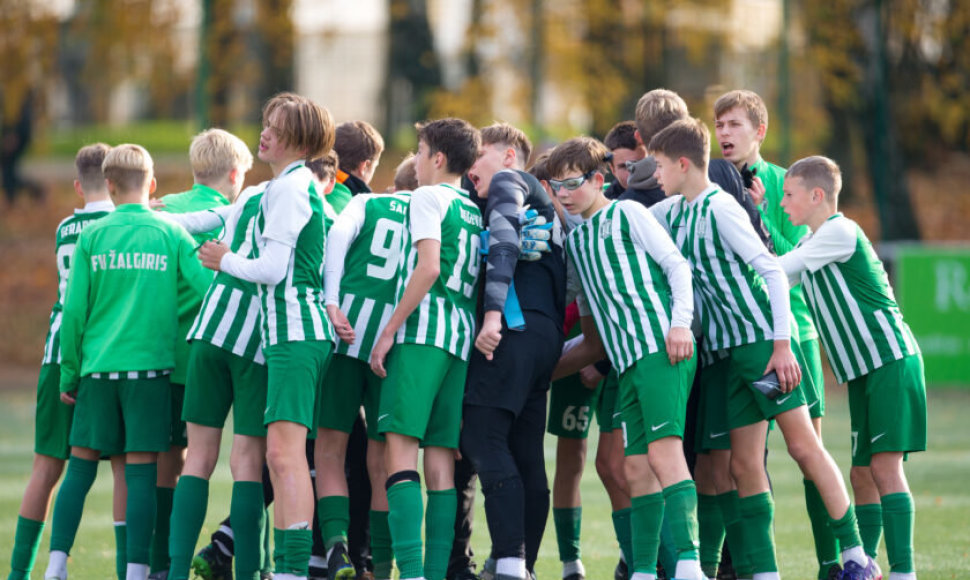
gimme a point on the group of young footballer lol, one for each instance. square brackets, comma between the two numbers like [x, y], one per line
[443, 309]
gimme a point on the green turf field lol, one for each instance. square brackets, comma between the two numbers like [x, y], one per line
[940, 480]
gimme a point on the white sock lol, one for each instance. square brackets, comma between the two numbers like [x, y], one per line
[514, 567]
[318, 562]
[56, 565]
[136, 571]
[689, 570]
[643, 576]
[902, 576]
[573, 567]
[766, 576]
[855, 554]
[288, 577]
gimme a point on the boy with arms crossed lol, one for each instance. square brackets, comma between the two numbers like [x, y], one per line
[868, 345]
[118, 338]
[740, 287]
[637, 287]
[52, 421]
[286, 263]
[741, 122]
[434, 322]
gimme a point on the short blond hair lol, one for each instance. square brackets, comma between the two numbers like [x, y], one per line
[688, 138]
[88, 163]
[749, 102]
[129, 167]
[304, 124]
[406, 174]
[508, 136]
[656, 110]
[214, 153]
[818, 171]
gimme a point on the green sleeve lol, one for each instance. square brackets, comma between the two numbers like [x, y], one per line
[74, 316]
[190, 268]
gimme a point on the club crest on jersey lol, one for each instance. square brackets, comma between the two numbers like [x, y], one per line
[606, 229]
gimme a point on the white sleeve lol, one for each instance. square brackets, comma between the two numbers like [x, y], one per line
[198, 222]
[661, 211]
[426, 213]
[287, 210]
[269, 268]
[736, 230]
[342, 234]
[767, 267]
[650, 235]
[835, 241]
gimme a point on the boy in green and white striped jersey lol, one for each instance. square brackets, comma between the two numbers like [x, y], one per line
[637, 287]
[745, 310]
[434, 326]
[868, 345]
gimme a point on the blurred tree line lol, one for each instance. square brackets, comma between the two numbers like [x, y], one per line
[880, 85]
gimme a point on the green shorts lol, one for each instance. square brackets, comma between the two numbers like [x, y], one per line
[180, 435]
[712, 421]
[219, 380]
[653, 395]
[887, 408]
[814, 391]
[745, 404]
[52, 419]
[123, 415]
[422, 395]
[570, 403]
[349, 384]
[608, 415]
[295, 372]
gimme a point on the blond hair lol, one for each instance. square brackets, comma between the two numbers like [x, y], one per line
[214, 153]
[129, 167]
[818, 171]
[583, 154]
[748, 101]
[303, 124]
[508, 136]
[88, 163]
[656, 110]
[688, 138]
[406, 175]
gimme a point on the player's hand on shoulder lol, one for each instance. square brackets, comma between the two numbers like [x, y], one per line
[490, 334]
[680, 344]
[784, 363]
[211, 253]
[340, 323]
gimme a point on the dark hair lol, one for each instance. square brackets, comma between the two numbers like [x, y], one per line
[325, 168]
[622, 136]
[686, 138]
[540, 169]
[357, 142]
[457, 139]
[583, 154]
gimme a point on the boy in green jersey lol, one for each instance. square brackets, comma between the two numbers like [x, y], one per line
[219, 163]
[286, 263]
[53, 419]
[869, 347]
[744, 310]
[637, 288]
[435, 314]
[118, 340]
[740, 126]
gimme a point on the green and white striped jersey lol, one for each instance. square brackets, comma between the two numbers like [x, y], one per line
[621, 255]
[719, 242]
[291, 212]
[446, 316]
[850, 298]
[364, 250]
[229, 317]
[65, 241]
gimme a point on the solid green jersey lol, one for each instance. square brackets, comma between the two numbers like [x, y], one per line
[339, 197]
[364, 251]
[784, 235]
[66, 238]
[617, 255]
[291, 212]
[850, 297]
[122, 294]
[229, 317]
[445, 318]
[200, 197]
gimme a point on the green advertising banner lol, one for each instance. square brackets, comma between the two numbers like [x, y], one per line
[933, 288]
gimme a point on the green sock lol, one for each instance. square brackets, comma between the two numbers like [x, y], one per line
[898, 518]
[380, 544]
[646, 515]
[268, 532]
[333, 513]
[188, 514]
[710, 530]
[568, 522]
[70, 502]
[25, 544]
[734, 532]
[163, 516]
[140, 511]
[279, 551]
[757, 513]
[869, 517]
[404, 518]
[121, 550]
[681, 511]
[624, 535]
[826, 544]
[246, 512]
[439, 530]
[297, 544]
[667, 554]
[846, 530]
